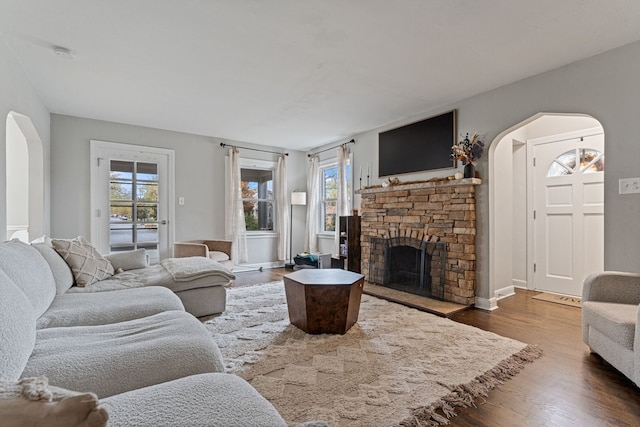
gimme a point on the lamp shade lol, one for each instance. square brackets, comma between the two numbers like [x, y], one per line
[298, 198]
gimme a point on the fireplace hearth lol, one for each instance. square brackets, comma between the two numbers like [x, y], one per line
[409, 265]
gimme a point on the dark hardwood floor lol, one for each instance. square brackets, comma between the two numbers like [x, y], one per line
[567, 386]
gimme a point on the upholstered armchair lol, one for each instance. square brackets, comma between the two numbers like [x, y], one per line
[217, 250]
[610, 316]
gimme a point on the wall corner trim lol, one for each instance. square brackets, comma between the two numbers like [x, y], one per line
[488, 304]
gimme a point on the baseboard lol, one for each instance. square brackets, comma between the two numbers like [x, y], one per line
[505, 292]
[258, 266]
[488, 304]
[519, 283]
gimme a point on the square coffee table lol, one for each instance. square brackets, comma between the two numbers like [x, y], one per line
[323, 301]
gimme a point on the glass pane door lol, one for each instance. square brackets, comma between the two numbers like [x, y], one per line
[133, 206]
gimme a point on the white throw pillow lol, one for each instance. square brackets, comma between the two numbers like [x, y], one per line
[128, 260]
[87, 265]
[218, 256]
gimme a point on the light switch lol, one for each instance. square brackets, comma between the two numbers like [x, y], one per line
[629, 185]
[181, 201]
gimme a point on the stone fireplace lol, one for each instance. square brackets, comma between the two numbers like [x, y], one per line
[430, 227]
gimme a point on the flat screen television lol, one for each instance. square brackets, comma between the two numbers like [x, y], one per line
[421, 146]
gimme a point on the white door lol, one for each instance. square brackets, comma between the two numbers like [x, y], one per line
[568, 185]
[131, 194]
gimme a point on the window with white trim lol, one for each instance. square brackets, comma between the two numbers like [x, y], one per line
[329, 195]
[258, 200]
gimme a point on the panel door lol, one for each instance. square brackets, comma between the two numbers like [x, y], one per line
[569, 213]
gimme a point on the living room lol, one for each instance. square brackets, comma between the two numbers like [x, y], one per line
[595, 76]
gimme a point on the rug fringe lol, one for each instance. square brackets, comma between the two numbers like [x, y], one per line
[464, 395]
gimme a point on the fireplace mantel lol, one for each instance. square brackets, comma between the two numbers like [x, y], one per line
[440, 210]
[419, 185]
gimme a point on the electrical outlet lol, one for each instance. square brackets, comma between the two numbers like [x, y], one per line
[181, 201]
[629, 185]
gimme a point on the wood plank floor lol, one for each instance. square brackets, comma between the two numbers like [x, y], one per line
[567, 386]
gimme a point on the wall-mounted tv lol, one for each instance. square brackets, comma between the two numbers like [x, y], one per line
[416, 147]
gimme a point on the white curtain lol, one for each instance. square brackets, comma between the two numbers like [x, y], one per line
[313, 206]
[235, 228]
[282, 209]
[344, 205]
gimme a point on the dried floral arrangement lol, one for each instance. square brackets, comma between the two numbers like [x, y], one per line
[468, 150]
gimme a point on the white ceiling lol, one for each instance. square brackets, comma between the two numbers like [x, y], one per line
[293, 73]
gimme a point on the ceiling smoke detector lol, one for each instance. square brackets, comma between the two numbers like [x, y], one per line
[63, 52]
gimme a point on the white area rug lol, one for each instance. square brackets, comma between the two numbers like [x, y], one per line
[396, 366]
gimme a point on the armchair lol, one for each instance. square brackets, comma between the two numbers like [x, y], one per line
[217, 250]
[610, 302]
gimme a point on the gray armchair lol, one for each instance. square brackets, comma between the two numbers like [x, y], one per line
[610, 302]
[217, 250]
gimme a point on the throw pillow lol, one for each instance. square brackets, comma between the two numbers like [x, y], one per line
[87, 265]
[128, 260]
[33, 402]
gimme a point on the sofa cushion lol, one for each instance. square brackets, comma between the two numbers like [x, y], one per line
[115, 358]
[218, 256]
[30, 272]
[102, 308]
[59, 268]
[617, 321]
[199, 400]
[17, 329]
[154, 275]
[87, 265]
[128, 260]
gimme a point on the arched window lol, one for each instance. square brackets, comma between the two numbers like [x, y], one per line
[580, 160]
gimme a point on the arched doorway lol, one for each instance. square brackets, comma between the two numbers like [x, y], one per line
[25, 179]
[513, 186]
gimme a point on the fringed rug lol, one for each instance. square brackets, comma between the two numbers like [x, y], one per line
[396, 366]
[559, 299]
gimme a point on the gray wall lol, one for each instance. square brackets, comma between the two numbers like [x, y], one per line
[17, 94]
[606, 87]
[199, 178]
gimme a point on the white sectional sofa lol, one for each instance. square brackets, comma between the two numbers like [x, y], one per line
[199, 282]
[149, 362]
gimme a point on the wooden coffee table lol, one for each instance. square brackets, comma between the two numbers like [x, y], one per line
[323, 301]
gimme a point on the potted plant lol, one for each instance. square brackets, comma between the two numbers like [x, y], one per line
[468, 150]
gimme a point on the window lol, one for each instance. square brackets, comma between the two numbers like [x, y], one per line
[258, 200]
[329, 196]
[566, 164]
[133, 205]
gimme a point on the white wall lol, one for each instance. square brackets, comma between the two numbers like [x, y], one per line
[606, 87]
[17, 164]
[519, 215]
[199, 178]
[17, 94]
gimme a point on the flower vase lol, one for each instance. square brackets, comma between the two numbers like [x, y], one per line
[469, 170]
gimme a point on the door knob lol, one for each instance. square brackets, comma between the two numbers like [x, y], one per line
[164, 222]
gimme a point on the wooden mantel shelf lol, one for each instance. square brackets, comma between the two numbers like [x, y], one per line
[418, 185]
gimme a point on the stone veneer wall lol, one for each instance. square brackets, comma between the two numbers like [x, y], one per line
[446, 209]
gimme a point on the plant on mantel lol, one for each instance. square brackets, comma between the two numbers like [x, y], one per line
[468, 150]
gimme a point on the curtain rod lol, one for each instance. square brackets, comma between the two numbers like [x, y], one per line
[222, 144]
[353, 141]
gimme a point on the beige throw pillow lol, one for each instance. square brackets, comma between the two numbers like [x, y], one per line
[32, 402]
[87, 265]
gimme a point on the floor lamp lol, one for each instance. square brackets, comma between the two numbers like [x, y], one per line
[297, 198]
